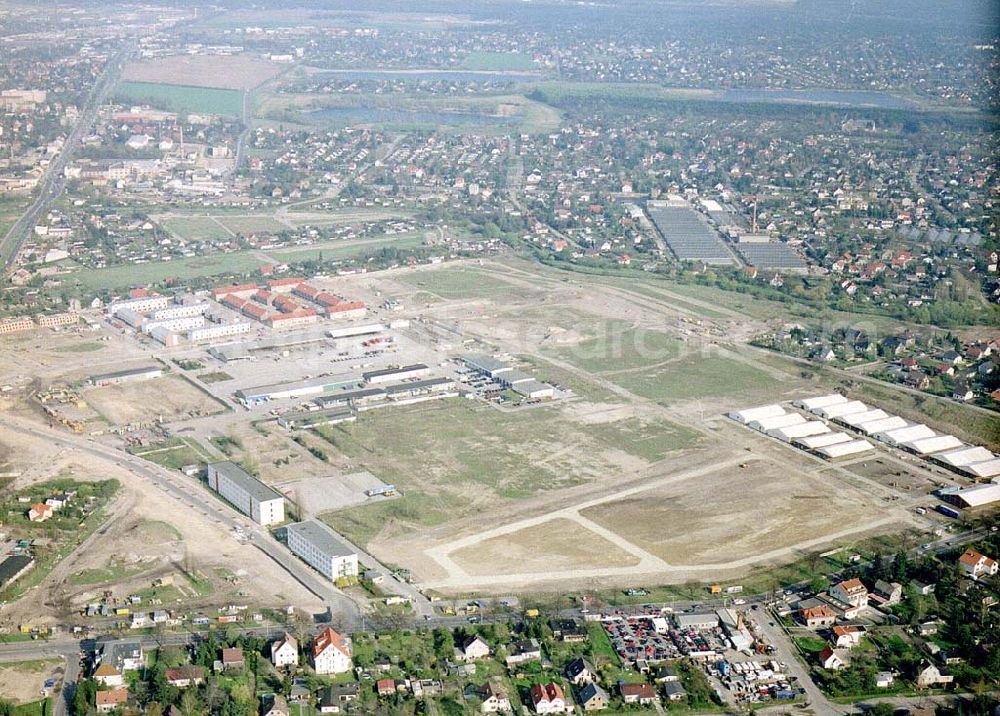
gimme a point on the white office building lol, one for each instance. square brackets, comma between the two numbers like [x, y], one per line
[318, 546]
[263, 504]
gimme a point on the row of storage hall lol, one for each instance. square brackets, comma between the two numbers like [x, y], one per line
[810, 429]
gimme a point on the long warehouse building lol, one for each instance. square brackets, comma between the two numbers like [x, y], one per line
[263, 504]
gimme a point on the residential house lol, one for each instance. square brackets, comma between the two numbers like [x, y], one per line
[548, 699]
[568, 630]
[523, 651]
[886, 593]
[674, 691]
[285, 652]
[108, 701]
[108, 675]
[592, 697]
[923, 589]
[39, 512]
[472, 648]
[275, 706]
[830, 659]
[331, 653]
[580, 671]
[847, 637]
[232, 659]
[664, 674]
[929, 676]
[333, 699]
[927, 628]
[850, 591]
[976, 565]
[385, 687]
[642, 694]
[816, 617]
[884, 680]
[184, 676]
[493, 697]
[426, 688]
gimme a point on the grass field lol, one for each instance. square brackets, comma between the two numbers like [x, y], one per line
[195, 228]
[696, 377]
[348, 249]
[117, 277]
[497, 61]
[461, 283]
[252, 224]
[182, 98]
[450, 456]
[618, 347]
[174, 453]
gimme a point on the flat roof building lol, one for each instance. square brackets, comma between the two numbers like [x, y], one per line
[776, 421]
[323, 550]
[790, 432]
[972, 497]
[867, 416]
[263, 504]
[387, 375]
[812, 442]
[929, 446]
[964, 456]
[820, 401]
[750, 414]
[904, 435]
[841, 409]
[842, 450]
[483, 363]
[983, 470]
[893, 422]
[125, 376]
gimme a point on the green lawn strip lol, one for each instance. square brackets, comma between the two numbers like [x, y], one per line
[182, 98]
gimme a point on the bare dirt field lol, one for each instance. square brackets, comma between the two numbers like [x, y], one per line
[753, 510]
[65, 355]
[21, 683]
[536, 549]
[168, 398]
[334, 491]
[241, 72]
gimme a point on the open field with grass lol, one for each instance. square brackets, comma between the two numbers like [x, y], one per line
[125, 275]
[235, 72]
[461, 283]
[696, 376]
[451, 456]
[182, 98]
[174, 453]
[196, 228]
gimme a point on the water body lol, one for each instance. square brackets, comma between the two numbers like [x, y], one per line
[382, 115]
[843, 98]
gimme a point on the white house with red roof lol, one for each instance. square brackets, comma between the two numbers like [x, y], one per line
[977, 565]
[331, 653]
